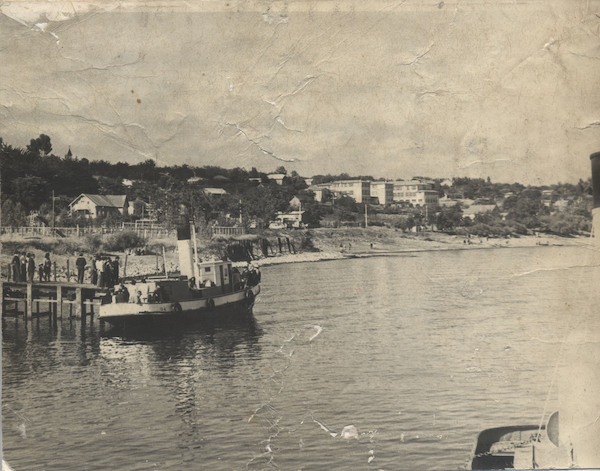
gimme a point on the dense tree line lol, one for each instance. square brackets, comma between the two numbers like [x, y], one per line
[32, 174]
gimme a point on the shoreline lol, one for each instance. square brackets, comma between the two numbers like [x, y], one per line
[330, 244]
[329, 255]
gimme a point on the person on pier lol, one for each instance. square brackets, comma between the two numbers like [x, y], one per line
[80, 263]
[23, 273]
[100, 271]
[94, 271]
[115, 271]
[15, 265]
[47, 266]
[107, 274]
[30, 267]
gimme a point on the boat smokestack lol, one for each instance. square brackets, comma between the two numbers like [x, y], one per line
[595, 158]
[184, 244]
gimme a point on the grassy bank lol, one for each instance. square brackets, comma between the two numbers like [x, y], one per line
[328, 243]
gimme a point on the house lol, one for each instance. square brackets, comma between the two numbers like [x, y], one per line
[416, 192]
[295, 203]
[358, 190]
[98, 206]
[321, 194]
[292, 219]
[277, 177]
[476, 209]
[214, 191]
[382, 193]
[138, 208]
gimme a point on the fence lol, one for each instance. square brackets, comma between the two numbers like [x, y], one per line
[156, 231]
[229, 231]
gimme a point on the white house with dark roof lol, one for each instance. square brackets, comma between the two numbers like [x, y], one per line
[276, 177]
[214, 192]
[95, 206]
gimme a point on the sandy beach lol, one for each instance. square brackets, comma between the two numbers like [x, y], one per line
[330, 244]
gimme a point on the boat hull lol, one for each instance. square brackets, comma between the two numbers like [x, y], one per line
[495, 447]
[179, 311]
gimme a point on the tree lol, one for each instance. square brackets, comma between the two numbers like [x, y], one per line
[30, 191]
[449, 218]
[13, 214]
[40, 146]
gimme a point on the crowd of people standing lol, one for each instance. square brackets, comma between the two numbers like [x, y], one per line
[104, 270]
[23, 267]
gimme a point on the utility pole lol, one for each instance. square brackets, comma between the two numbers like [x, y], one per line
[240, 212]
[366, 217]
[52, 213]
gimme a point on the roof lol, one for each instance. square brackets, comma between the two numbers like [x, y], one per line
[110, 201]
[317, 188]
[215, 191]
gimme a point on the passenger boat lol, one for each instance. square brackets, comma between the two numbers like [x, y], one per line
[513, 447]
[220, 289]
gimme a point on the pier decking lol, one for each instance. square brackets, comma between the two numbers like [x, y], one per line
[55, 295]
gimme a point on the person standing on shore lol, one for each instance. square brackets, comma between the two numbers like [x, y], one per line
[47, 266]
[80, 263]
[23, 267]
[115, 271]
[107, 272]
[16, 268]
[100, 270]
[30, 267]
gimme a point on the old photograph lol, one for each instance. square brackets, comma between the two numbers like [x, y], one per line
[300, 235]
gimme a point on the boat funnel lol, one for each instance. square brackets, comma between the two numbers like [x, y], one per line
[595, 158]
[184, 247]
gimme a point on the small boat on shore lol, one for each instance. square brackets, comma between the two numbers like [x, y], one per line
[220, 289]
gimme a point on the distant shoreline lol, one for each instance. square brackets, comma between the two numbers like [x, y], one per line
[328, 255]
[330, 244]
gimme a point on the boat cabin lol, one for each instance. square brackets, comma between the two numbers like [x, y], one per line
[216, 278]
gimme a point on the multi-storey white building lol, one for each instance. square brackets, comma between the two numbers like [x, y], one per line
[415, 192]
[359, 190]
[382, 193]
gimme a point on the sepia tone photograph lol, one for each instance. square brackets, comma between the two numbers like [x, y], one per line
[300, 235]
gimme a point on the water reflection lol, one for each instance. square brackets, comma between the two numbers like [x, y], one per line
[222, 336]
[182, 365]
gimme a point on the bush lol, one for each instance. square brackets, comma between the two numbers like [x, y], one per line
[123, 241]
[93, 242]
[307, 244]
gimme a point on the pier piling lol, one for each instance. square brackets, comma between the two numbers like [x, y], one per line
[51, 294]
[29, 304]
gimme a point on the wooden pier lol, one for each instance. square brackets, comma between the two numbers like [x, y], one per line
[54, 294]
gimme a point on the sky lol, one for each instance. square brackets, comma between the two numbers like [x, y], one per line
[506, 89]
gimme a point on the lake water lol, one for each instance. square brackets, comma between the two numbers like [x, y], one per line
[411, 356]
